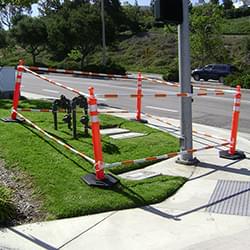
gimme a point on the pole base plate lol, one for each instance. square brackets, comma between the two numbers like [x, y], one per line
[141, 120]
[108, 182]
[236, 156]
[191, 162]
[9, 119]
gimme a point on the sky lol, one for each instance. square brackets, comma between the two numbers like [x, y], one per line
[142, 2]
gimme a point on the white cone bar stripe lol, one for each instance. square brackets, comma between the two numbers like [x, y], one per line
[93, 108]
[94, 118]
[56, 83]
[237, 100]
[236, 108]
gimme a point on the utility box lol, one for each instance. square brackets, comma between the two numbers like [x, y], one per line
[169, 11]
[7, 81]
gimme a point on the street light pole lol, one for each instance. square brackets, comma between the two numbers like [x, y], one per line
[185, 87]
[104, 57]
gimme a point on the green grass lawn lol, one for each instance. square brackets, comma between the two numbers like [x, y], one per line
[56, 173]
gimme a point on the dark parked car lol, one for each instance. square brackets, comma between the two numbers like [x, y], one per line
[213, 71]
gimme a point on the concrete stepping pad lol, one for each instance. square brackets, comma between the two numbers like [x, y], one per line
[113, 131]
[139, 175]
[126, 135]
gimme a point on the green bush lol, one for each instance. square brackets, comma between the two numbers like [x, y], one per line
[236, 13]
[239, 79]
[109, 68]
[172, 72]
[6, 207]
[171, 75]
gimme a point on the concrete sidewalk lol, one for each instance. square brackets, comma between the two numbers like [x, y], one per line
[211, 211]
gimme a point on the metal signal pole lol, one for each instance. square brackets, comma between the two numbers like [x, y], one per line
[185, 87]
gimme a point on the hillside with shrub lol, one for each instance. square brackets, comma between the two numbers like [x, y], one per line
[68, 35]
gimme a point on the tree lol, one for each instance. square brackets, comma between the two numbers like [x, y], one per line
[215, 1]
[206, 37]
[76, 26]
[85, 26]
[10, 8]
[8, 12]
[3, 42]
[59, 32]
[114, 12]
[47, 7]
[31, 34]
[26, 3]
[228, 4]
[132, 17]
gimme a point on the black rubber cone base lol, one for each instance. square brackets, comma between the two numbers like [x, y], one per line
[141, 120]
[108, 182]
[191, 162]
[236, 156]
[9, 119]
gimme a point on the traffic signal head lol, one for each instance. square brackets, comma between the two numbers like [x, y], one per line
[169, 11]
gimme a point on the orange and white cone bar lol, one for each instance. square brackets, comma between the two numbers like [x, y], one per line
[55, 139]
[194, 131]
[55, 83]
[197, 88]
[77, 72]
[172, 84]
[38, 110]
[160, 95]
[162, 157]
[62, 111]
[114, 76]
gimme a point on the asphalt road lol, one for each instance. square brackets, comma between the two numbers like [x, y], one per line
[207, 110]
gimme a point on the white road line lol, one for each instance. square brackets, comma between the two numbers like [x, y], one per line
[50, 91]
[30, 95]
[163, 109]
[225, 99]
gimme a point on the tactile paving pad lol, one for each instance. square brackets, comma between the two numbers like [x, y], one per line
[230, 197]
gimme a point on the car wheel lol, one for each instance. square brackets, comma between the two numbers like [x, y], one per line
[196, 77]
[221, 79]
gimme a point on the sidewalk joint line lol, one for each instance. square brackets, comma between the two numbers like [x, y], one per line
[86, 230]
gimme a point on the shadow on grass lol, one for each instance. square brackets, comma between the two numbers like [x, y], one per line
[79, 134]
[25, 103]
[5, 104]
[129, 193]
[110, 148]
[51, 145]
